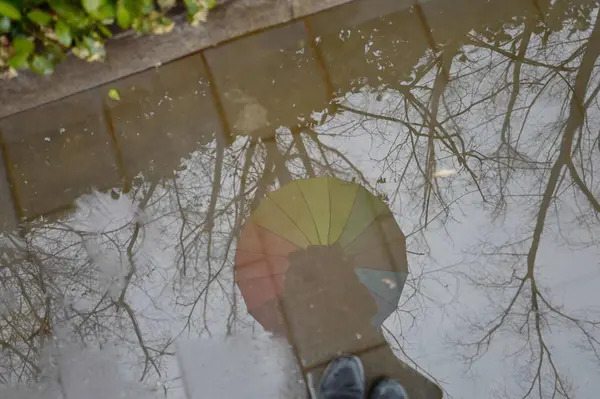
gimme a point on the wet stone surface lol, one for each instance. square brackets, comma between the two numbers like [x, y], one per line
[162, 116]
[412, 184]
[59, 151]
[8, 216]
[280, 83]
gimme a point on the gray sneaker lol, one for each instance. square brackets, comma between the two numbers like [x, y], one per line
[344, 378]
[388, 389]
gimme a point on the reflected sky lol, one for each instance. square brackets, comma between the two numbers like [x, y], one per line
[479, 132]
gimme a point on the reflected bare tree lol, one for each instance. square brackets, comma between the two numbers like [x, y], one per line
[478, 114]
[529, 309]
[162, 268]
[92, 277]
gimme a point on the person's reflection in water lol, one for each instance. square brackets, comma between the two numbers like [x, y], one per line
[329, 313]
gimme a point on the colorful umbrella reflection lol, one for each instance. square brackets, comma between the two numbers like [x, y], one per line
[320, 212]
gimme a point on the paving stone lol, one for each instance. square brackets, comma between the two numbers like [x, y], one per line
[8, 217]
[450, 24]
[320, 339]
[163, 115]
[381, 362]
[59, 151]
[369, 43]
[327, 308]
[254, 366]
[268, 80]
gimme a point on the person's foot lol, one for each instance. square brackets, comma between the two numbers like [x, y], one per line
[344, 378]
[388, 389]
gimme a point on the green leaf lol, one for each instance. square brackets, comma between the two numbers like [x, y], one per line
[22, 45]
[75, 17]
[104, 30]
[81, 51]
[39, 17]
[162, 26]
[9, 10]
[124, 16]
[19, 61]
[22, 48]
[42, 65]
[145, 6]
[63, 34]
[192, 7]
[92, 5]
[210, 4]
[54, 53]
[106, 12]
[166, 4]
[95, 48]
[113, 94]
[198, 17]
[5, 24]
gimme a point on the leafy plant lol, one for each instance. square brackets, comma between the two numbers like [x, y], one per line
[38, 34]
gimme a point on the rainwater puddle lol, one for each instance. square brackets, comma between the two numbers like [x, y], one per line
[425, 165]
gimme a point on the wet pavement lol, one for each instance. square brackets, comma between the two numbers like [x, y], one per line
[121, 219]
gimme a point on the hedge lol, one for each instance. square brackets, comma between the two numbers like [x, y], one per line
[38, 34]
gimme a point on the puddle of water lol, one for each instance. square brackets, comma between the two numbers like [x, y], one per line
[476, 129]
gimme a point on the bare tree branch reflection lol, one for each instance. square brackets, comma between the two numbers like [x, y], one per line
[157, 263]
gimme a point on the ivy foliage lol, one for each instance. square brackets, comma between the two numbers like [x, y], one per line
[38, 34]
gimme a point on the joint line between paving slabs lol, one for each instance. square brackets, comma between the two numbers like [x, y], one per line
[538, 10]
[319, 59]
[294, 346]
[109, 128]
[430, 39]
[14, 195]
[217, 100]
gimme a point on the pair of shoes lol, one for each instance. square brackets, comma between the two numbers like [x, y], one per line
[344, 378]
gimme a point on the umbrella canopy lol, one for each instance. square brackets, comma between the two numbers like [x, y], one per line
[320, 212]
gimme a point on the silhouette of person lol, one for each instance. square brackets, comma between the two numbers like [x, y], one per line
[329, 312]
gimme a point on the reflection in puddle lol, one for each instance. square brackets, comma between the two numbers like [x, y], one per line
[478, 133]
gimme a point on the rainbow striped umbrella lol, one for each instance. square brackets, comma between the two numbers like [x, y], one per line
[321, 211]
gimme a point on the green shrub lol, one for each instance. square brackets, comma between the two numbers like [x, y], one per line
[37, 34]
